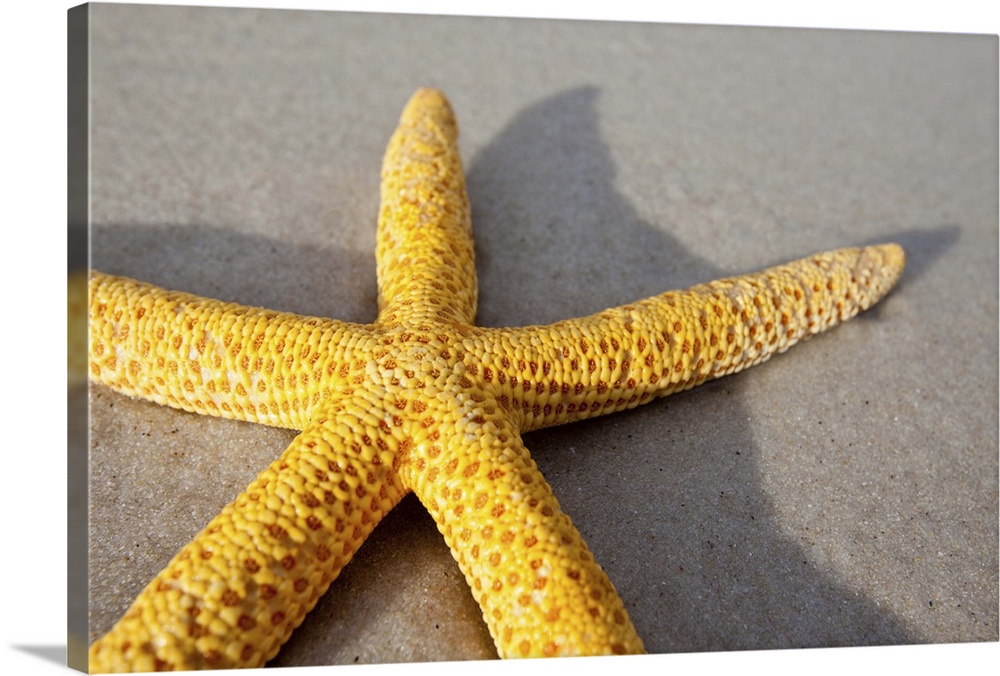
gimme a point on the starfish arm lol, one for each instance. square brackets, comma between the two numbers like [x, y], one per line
[541, 592]
[424, 251]
[625, 356]
[211, 357]
[232, 596]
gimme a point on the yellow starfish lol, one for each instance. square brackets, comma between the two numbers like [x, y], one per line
[422, 400]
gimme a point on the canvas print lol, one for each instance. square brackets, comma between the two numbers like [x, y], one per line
[382, 313]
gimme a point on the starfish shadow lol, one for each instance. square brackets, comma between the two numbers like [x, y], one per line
[239, 267]
[554, 239]
[668, 495]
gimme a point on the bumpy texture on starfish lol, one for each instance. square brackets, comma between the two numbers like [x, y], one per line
[422, 400]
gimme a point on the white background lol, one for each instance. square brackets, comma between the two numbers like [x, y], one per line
[32, 319]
